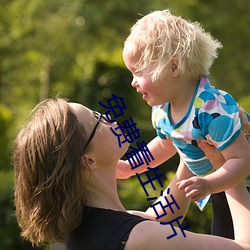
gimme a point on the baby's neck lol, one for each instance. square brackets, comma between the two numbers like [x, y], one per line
[180, 105]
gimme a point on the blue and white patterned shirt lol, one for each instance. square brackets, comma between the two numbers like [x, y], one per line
[213, 115]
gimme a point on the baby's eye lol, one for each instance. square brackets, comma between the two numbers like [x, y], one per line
[137, 73]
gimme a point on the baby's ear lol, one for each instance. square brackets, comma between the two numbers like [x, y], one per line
[175, 66]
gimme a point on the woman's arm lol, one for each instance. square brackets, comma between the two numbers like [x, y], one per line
[178, 195]
[153, 235]
[239, 203]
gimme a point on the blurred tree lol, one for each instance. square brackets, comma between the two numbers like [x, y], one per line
[228, 22]
[5, 122]
[73, 48]
[57, 44]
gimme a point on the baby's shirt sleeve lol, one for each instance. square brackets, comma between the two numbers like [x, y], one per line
[218, 118]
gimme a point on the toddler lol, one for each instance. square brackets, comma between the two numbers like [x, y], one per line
[170, 59]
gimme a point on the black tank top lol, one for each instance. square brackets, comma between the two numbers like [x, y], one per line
[102, 229]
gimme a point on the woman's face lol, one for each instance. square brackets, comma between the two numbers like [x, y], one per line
[104, 143]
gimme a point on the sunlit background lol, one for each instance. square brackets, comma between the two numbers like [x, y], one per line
[72, 48]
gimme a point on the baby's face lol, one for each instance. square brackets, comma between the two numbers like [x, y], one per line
[152, 92]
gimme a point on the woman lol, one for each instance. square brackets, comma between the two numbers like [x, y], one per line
[65, 188]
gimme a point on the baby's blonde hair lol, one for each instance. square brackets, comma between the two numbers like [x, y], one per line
[161, 36]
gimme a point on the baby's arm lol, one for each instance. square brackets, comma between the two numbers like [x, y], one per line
[234, 171]
[162, 150]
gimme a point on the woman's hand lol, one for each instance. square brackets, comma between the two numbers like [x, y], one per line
[245, 124]
[198, 187]
[123, 170]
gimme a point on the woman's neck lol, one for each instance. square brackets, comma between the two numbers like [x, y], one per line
[102, 189]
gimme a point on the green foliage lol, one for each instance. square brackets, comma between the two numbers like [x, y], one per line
[73, 48]
[5, 124]
[134, 198]
[228, 22]
[245, 103]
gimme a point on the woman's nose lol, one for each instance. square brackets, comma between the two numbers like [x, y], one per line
[109, 117]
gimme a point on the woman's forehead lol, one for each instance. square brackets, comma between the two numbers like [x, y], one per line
[78, 108]
[82, 113]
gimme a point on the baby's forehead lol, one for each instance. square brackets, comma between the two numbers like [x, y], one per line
[132, 48]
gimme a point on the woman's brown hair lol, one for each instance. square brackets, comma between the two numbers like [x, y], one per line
[49, 182]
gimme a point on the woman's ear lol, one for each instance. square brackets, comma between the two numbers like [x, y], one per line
[175, 66]
[90, 161]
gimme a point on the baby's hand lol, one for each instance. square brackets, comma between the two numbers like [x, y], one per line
[123, 170]
[194, 187]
